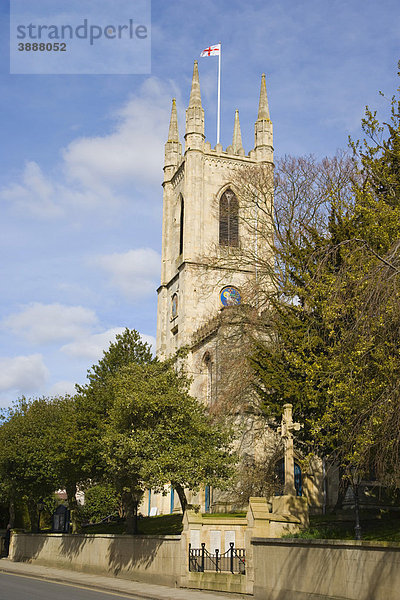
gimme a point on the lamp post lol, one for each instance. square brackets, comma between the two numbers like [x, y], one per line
[357, 528]
[40, 507]
[355, 484]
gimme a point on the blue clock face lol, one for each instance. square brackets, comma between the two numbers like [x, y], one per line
[230, 296]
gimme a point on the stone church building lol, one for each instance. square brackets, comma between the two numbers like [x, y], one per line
[200, 225]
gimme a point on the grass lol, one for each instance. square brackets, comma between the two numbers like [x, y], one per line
[161, 525]
[116, 528]
[383, 526]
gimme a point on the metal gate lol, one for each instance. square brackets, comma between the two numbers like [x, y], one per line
[233, 560]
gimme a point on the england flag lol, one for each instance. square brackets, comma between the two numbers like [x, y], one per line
[211, 50]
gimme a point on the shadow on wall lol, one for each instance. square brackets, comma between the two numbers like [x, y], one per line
[145, 558]
[133, 552]
[27, 546]
[72, 545]
[120, 552]
[326, 569]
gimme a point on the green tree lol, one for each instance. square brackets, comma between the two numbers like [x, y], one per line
[94, 399]
[330, 332]
[28, 444]
[69, 452]
[101, 500]
[157, 433]
[127, 348]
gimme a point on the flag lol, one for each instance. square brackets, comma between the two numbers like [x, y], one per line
[212, 50]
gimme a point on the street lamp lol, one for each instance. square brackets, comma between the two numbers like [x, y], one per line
[40, 507]
[355, 479]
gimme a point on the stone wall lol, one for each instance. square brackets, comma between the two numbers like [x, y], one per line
[325, 570]
[140, 558]
[282, 569]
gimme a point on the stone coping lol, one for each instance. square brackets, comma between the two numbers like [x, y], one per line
[276, 517]
[102, 535]
[361, 544]
[221, 521]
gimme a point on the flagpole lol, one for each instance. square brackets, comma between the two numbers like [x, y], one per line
[219, 93]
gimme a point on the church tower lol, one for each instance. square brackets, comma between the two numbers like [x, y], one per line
[201, 221]
[202, 226]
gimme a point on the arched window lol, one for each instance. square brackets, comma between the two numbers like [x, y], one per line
[174, 306]
[228, 219]
[181, 224]
[209, 374]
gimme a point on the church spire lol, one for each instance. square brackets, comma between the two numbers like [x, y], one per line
[237, 145]
[263, 127]
[194, 135]
[173, 135]
[263, 110]
[195, 96]
[173, 148]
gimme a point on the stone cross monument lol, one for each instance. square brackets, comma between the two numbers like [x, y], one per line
[286, 429]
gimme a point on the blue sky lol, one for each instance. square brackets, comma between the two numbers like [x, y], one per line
[81, 160]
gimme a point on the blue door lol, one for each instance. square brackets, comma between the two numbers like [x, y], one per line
[207, 499]
[298, 482]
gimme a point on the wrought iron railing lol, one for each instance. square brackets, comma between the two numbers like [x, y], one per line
[233, 560]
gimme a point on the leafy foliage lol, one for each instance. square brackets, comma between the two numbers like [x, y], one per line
[157, 433]
[329, 341]
[101, 500]
[34, 450]
[133, 426]
[94, 400]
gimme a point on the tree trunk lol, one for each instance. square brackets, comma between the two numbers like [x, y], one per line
[343, 485]
[11, 512]
[33, 514]
[135, 516]
[73, 506]
[129, 505]
[182, 496]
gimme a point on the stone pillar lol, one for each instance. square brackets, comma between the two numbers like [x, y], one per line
[258, 525]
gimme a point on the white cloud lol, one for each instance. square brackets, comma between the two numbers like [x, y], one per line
[135, 273]
[44, 323]
[25, 374]
[35, 194]
[133, 151]
[149, 339]
[46, 198]
[61, 388]
[94, 170]
[92, 346]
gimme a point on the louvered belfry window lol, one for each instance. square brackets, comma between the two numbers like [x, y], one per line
[228, 219]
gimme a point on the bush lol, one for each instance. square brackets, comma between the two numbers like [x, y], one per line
[100, 501]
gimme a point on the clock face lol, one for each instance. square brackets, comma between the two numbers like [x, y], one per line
[230, 296]
[174, 306]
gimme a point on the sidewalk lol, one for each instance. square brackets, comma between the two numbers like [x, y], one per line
[135, 589]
